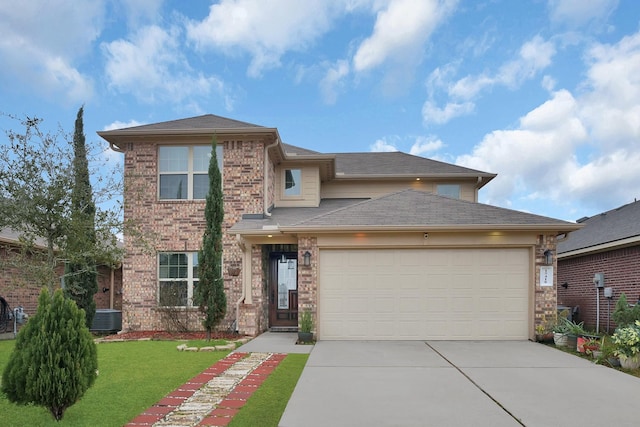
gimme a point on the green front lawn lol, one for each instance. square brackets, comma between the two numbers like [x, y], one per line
[132, 377]
[266, 406]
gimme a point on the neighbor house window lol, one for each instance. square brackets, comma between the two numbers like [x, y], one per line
[449, 190]
[292, 182]
[177, 278]
[184, 171]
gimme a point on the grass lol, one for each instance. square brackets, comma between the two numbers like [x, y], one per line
[133, 376]
[266, 406]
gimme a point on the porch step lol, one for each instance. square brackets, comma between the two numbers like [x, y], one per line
[283, 329]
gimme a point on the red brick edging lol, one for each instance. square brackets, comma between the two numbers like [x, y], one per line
[227, 408]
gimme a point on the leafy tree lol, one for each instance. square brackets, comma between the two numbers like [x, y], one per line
[209, 293]
[55, 360]
[35, 185]
[81, 277]
[37, 199]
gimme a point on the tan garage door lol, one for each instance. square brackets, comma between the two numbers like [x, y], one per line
[420, 294]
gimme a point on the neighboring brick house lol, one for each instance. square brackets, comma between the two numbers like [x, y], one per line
[609, 243]
[18, 290]
[375, 245]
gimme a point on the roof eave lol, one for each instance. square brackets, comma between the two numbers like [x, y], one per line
[602, 247]
[485, 178]
[130, 135]
[540, 228]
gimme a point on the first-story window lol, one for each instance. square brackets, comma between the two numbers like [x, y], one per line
[177, 278]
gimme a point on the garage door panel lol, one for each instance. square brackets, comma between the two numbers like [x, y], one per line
[424, 294]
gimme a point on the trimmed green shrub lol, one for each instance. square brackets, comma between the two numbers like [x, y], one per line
[624, 315]
[55, 360]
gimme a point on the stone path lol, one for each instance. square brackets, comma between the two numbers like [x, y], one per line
[213, 397]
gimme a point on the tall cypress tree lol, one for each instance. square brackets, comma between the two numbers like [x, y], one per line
[209, 293]
[81, 277]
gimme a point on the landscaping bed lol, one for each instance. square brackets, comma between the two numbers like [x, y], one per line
[169, 336]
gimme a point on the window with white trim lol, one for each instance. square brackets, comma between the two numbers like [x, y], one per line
[177, 278]
[292, 182]
[183, 171]
[448, 190]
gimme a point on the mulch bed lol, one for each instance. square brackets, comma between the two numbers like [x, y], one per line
[170, 336]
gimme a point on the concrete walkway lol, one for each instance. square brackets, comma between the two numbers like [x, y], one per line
[455, 383]
[275, 342]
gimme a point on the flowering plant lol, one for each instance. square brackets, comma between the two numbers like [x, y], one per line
[627, 340]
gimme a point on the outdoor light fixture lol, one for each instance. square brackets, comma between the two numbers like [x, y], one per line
[548, 257]
[306, 259]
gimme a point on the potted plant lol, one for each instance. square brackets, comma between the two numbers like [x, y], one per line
[544, 331]
[306, 326]
[627, 345]
[592, 347]
[608, 354]
[560, 334]
[574, 330]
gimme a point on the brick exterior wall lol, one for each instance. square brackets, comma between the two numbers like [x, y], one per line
[545, 300]
[621, 268]
[308, 278]
[162, 226]
[18, 291]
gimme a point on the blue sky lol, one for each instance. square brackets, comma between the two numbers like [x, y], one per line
[545, 93]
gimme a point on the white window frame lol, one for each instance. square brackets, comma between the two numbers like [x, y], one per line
[299, 195]
[191, 279]
[189, 172]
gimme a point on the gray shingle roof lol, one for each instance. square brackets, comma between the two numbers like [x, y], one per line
[292, 149]
[290, 216]
[418, 208]
[404, 209]
[207, 121]
[397, 163]
[611, 226]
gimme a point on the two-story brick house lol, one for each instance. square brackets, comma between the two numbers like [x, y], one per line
[375, 245]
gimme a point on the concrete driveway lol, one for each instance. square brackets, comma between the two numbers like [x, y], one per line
[457, 383]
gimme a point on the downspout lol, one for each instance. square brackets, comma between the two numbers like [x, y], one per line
[243, 295]
[266, 177]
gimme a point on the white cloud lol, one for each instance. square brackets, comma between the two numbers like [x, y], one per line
[42, 41]
[264, 30]
[533, 157]
[426, 145]
[534, 56]
[400, 31]
[573, 150]
[333, 81]
[577, 13]
[151, 66]
[382, 145]
[612, 100]
[121, 125]
[431, 113]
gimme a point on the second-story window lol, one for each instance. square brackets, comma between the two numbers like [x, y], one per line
[183, 171]
[449, 190]
[292, 182]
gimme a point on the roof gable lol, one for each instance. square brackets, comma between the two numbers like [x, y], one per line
[207, 121]
[615, 225]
